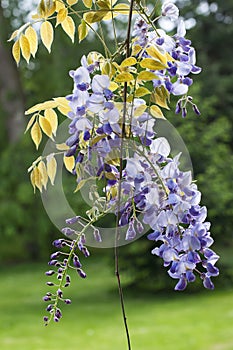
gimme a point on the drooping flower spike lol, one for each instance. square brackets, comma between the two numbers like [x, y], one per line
[112, 141]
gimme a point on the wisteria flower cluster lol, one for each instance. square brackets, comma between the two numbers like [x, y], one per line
[112, 113]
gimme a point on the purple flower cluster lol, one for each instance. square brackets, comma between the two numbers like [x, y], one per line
[181, 58]
[63, 260]
[169, 202]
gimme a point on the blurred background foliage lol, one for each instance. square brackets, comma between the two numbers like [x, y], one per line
[26, 232]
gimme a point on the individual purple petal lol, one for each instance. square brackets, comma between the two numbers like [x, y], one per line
[182, 284]
[207, 282]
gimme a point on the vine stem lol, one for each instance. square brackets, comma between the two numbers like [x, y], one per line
[117, 235]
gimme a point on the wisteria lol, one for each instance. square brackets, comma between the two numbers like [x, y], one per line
[113, 108]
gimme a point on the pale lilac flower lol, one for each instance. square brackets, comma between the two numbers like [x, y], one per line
[170, 10]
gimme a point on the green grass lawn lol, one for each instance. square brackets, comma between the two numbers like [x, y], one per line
[177, 321]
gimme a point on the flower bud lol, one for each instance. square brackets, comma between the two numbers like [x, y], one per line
[73, 220]
[81, 273]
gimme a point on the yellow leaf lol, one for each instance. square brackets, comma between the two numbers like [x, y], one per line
[140, 110]
[45, 126]
[31, 121]
[122, 9]
[124, 77]
[32, 179]
[142, 91]
[61, 16]
[16, 51]
[136, 49]
[113, 86]
[146, 75]
[13, 35]
[155, 53]
[36, 134]
[130, 61]
[38, 178]
[25, 47]
[36, 16]
[46, 8]
[102, 4]
[69, 163]
[156, 112]
[62, 147]
[43, 171]
[160, 97]
[82, 183]
[88, 3]
[69, 27]
[31, 35]
[51, 116]
[169, 57]
[62, 105]
[51, 167]
[46, 32]
[150, 63]
[34, 163]
[94, 16]
[59, 5]
[35, 178]
[82, 30]
[42, 106]
[71, 2]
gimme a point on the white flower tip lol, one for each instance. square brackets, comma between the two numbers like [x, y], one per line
[160, 146]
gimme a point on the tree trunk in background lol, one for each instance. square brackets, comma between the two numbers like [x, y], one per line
[11, 93]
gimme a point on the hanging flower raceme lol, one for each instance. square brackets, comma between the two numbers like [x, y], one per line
[113, 148]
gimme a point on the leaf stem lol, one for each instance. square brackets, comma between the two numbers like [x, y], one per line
[116, 250]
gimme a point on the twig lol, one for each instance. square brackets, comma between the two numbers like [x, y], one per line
[116, 252]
